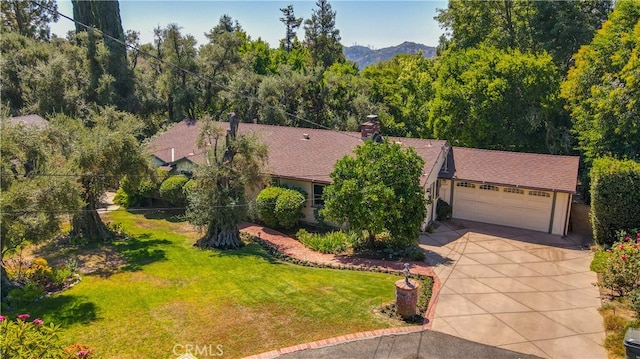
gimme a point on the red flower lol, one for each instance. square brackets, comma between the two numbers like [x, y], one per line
[622, 246]
[2, 318]
[23, 316]
[38, 321]
[624, 258]
[627, 239]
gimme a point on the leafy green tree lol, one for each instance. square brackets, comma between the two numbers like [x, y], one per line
[217, 200]
[33, 198]
[280, 94]
[321, 36]
[404, 85]
[177, 87]
[489, 98]
[502, 24]
[28, 18]
[219, 59]
[105, 16]
[102, 154]
[561, 27]
[291, 22]
[378, 189]
[602, 89]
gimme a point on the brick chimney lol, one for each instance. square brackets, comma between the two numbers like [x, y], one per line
[369, 128]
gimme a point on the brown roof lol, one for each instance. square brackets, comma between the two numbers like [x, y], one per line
[549, 172]
[290, 154]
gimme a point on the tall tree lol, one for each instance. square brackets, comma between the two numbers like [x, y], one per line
[404, 85]
[28, 18]
[291, 23]
[102, 153]
[603, 89]
[489, 98]
[105, 16]
[217, 202]
[219, 60]
[321, 36]
[377, 190]
[502, 24]
[176, 86]
[561, 27]
[32, 198]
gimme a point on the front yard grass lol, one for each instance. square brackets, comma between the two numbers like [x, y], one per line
[168, 292]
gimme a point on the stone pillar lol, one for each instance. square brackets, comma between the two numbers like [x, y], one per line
[406, 297]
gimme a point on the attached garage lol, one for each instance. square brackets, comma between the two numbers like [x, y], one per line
[508, 206]
[522, 190]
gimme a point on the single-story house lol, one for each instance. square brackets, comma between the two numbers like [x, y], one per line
[523, 190]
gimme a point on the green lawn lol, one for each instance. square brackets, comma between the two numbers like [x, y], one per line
[172, 293]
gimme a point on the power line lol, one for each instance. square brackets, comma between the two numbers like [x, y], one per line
[187, 71]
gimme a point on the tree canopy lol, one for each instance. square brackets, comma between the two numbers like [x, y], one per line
[217, 200]
[378, 190]
[603, 89]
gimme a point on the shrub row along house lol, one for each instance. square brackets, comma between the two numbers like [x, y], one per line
[523, 190]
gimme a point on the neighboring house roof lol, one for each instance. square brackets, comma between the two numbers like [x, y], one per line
[291, 154]
[29, 120]
[532, 170]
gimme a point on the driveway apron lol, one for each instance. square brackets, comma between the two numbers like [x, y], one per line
[516, 289]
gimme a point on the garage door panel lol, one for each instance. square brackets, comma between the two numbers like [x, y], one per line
[515, 207]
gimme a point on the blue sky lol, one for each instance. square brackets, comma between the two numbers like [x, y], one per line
[369, 23]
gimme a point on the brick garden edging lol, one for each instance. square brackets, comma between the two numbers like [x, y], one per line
[290, 247]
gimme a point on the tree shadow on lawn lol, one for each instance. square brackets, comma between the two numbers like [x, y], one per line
[139, 251]
[250, 250]
[169, 215]
[65, 310]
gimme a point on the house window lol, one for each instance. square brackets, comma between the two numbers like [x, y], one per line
[513, 190]
[488, 187]
[539, 193]
[465, 184]
[318, 189]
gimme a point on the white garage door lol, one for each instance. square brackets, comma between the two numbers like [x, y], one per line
[508, 206]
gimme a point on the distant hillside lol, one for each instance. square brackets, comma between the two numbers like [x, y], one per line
[364, 56]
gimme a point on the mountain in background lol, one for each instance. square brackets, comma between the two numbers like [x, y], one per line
[364, 56]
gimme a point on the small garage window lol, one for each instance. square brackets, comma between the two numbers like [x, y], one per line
[488, 187]
[465, 184]
[513, 190]
[539, 194]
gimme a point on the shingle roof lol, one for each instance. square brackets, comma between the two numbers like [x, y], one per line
[290, 154]
[29, 120]
[540, 171]
[312, 159]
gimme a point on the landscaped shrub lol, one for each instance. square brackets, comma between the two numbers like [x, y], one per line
[39, 273]
[266, 205]
[622, 272]
[635, 301]
[171, 190]
[443, 210]
[279, 207]
[332, 242]
[288, 208]
[615, 195]
[142, 192]
[20, 297]
[22, 338]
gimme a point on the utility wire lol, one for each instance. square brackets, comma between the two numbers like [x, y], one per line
[187, 71]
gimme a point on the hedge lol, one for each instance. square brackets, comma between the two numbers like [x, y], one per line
[279, 207]
[615, 198]
[171, 190]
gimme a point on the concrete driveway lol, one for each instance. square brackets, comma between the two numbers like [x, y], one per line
[516, 289]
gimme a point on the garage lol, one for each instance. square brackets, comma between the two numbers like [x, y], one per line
[508, 206]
